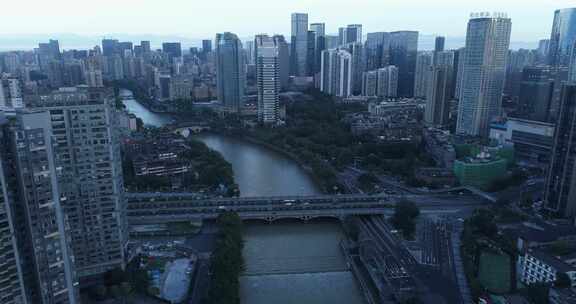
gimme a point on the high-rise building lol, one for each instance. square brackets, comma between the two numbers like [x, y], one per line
[350, 34]
[459, 72]
[438, 46]
[403, 53]
[449, 59]
[10, 94]
[356, 49]
[230, 71]
[423, 63]
[30, 190]
[341, 36]
[377, 50]
[336, 72]
[353, 33]
[109, 47]
[484, 71]
[388, 81]
[145, 46]
[517, 61]
[94, 78]
[438, 95]
[332, 41]
[173, 49]
[84, 126]
[319, 30]
[543, 47]
[536, 92]
[311, 60]
[283, 59]
[206, 45]
[560, 194]
[49, 51]
[12, 290]
[268, 80]
[572, 66]
[563, 37]
[370, 83]
[299, 44]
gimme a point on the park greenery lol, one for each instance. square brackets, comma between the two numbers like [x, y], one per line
[316, 135]
[480, 235]
[209, 171]
[404, 218]
[121, 284]
[227, 261]
[211, 168]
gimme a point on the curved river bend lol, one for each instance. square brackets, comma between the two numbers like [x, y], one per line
[286, 262]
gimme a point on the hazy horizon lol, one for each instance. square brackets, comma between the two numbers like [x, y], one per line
[192, 20]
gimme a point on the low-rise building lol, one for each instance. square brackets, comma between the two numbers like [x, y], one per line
[439, 145]
[480, 170]
[539, 266]
[562, 295]
[532, 140]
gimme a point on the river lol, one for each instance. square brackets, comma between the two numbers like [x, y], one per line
[287, 262]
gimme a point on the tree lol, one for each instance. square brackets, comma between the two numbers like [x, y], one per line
[562, 280]
[227, 260]
[405, 213]
[483, 222]
[537, 293]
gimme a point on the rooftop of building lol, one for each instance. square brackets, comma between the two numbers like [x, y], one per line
[553, 261]
[71, 96]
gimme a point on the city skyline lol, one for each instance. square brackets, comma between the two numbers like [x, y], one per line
[529, 23]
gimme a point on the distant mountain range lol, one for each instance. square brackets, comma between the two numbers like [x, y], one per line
[74, 41]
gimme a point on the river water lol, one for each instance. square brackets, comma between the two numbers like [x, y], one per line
[287, 262]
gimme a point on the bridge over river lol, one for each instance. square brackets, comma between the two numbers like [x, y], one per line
[164, 207]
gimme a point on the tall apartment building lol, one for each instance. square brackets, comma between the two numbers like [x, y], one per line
[299, 44]
[10, 94]
[319, 30]
[560, 194]
[268, 79]
[336, 72]
[370, 83]
[423, 63]
[12, 289]
[230, 71]
[91, 186]
[356, 49]
[42, 258]
[484, 71]
[438, 95]
[388, 81]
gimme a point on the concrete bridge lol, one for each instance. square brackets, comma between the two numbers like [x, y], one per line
[165, 207]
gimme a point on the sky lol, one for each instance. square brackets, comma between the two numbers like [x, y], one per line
[532, 19]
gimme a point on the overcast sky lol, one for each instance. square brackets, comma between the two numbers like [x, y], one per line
[532, 19]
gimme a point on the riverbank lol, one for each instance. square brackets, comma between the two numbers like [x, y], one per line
[253, 140]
